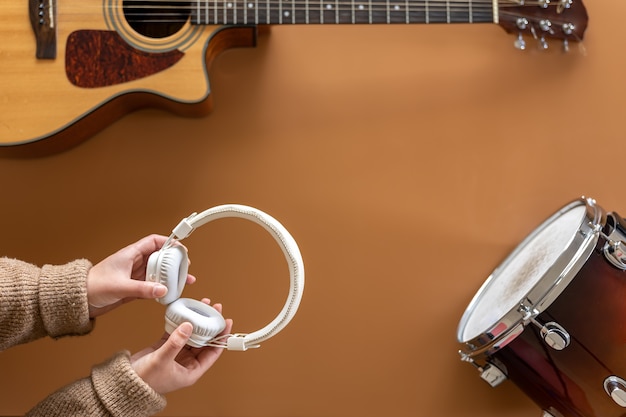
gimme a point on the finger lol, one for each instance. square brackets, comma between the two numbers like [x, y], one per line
[176, 342]
[229, 326]
[141, 289]
[150, 244]
[217, 306]
[191, 279]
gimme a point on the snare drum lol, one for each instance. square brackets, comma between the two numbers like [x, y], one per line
[551, 318]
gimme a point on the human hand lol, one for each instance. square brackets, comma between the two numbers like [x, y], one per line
[170, 364]
[121, 277]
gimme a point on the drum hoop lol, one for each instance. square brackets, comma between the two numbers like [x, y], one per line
[548, 287]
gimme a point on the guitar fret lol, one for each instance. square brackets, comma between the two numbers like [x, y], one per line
[313, 12]
[352, 12]
[406, 8]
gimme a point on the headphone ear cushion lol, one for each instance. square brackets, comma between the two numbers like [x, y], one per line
[207, 322]
[169, 266]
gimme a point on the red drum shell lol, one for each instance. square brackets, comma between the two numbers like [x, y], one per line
[592, 308]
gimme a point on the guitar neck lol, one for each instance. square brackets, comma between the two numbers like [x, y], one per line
[273, 12]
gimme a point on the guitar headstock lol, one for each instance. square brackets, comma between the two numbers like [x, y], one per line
[543, 20]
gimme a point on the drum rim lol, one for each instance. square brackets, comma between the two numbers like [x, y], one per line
[547, 288]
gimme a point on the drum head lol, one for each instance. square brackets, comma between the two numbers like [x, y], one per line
[537, 263]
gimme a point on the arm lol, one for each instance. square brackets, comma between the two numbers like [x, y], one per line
[113, 390]
[37, 302]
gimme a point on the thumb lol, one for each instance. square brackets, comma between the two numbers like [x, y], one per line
[176, 342]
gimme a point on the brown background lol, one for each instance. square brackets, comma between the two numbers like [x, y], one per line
[406, 162]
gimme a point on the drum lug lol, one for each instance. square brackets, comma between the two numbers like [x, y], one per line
[615, 253]
[614, 249]
[555, 336]
[616, 388]
[493, 374]
[551, 413]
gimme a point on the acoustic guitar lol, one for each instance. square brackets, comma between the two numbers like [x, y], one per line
[68, 68]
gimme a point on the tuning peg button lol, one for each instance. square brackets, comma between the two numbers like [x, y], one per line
[568, 28]
[546, 25]
[520, 43]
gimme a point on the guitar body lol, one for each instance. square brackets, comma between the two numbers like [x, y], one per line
[103, 69]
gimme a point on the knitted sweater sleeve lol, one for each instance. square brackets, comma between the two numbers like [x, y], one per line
[37, 302]
[113, 390]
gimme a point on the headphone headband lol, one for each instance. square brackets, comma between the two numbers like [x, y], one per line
[286, 242]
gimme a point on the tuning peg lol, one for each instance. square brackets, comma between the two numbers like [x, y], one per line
[568, 28]
[546, 26]
[521, 23]
[543, 45]
[565, 45]
[520, 43]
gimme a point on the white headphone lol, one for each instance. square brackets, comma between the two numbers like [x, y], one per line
[170, 264]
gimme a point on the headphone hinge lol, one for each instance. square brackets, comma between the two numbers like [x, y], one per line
[184, 228]
[237, 342]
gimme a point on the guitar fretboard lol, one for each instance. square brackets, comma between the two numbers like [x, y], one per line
[254, 12]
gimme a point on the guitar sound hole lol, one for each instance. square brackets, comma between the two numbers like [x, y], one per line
[156, 19]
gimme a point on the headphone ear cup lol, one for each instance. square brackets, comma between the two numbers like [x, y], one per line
[207, 322]
[169, 266]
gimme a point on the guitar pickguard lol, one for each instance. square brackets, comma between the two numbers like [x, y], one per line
[100, 58]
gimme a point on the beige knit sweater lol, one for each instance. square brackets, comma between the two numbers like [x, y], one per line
[52, 301]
